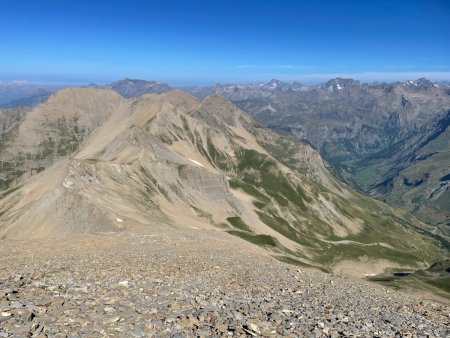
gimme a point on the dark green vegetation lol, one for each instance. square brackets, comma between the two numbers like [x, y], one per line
[238, 223]
[151, 184]
[245, 233]
[292, 261]
[435, 279]
[261, 240]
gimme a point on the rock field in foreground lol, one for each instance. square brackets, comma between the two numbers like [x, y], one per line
[162, 283]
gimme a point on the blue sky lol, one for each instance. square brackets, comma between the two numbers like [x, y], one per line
[207, 41]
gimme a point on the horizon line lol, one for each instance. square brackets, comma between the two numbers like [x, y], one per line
[311, 78]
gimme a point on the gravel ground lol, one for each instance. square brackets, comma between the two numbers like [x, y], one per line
[170, 283]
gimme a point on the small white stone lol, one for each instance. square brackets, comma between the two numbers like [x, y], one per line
[254, 328]
[109, 309]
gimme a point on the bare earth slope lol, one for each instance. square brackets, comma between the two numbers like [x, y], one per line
[52, 130]
[171, 159]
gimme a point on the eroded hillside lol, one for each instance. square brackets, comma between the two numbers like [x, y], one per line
[171, 159]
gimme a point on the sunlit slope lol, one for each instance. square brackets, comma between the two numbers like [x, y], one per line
[171, 160]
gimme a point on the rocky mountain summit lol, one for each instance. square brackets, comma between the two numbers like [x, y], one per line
[165, 215]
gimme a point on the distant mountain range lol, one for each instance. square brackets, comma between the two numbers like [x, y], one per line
[245, 91]
[22, 93]
[388, 140]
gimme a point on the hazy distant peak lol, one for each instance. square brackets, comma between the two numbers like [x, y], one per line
[282, 86]
[340, 83]
[421, 82]
[15, 83]
[22, 93]
[20, 82]
[135, 87]
[274, 81]
[128, 81]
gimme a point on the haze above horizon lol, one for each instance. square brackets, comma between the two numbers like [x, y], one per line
[203, 42]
